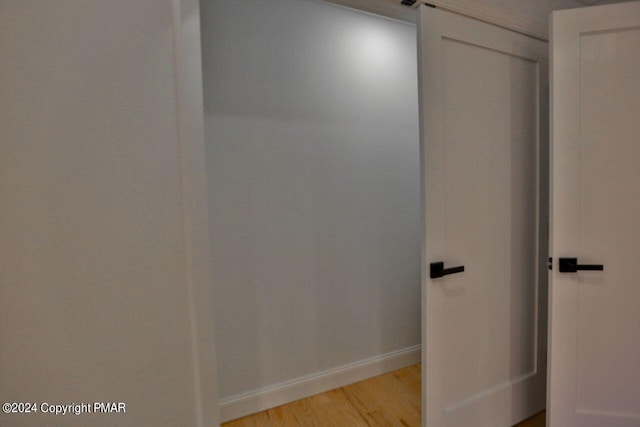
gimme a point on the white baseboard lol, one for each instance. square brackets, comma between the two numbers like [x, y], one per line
[269, 397]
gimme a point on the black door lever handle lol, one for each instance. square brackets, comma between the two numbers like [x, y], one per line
[437, 270]
[570, 265]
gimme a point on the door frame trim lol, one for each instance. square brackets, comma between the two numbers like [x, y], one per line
[499, 16]
[520, 23]
[197, 283]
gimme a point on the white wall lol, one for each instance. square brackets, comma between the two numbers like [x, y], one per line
[312, 150]
[102, 295]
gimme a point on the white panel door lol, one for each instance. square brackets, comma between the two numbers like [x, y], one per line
[483, 89]
[594, 315]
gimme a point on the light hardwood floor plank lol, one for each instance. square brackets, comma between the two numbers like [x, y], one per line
[283, 416]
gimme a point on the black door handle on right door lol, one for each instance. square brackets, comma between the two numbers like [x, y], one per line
[570, 265]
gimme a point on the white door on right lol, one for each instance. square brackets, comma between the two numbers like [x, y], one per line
[594, 377]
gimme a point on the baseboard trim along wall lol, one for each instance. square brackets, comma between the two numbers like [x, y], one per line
[269, 397]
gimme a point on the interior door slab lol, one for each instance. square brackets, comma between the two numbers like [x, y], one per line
[594, 315]
[483, 96]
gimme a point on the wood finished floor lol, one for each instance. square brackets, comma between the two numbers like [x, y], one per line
[388, 400]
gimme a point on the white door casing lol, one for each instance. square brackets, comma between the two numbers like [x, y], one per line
[483, 96]
[594, 362]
